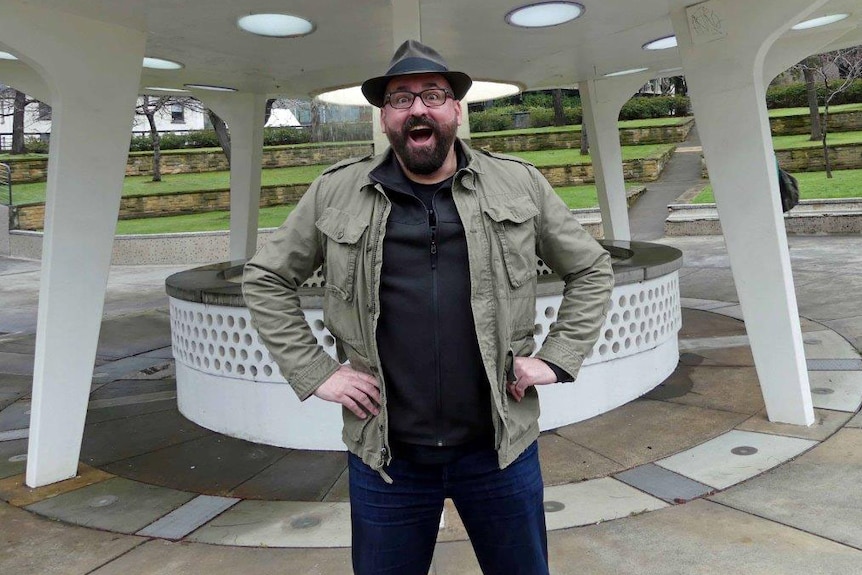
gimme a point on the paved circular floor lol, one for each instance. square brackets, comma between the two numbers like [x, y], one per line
[147, 470]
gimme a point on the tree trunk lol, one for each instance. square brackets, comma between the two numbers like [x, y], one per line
[559, 114]
[221, 133]
[18, 146]
[826, 162]
[585, 141]
[811, 91]
[150, 113]
[267, 111]
[315, 121]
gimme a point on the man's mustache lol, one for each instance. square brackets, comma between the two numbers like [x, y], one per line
[419, 122]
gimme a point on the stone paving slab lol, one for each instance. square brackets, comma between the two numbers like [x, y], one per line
[33, 545]
[698, 324]
[279, 524]
[132, 387]
[115, 440]
[825, 424]
[645, 430]
[133, 334]
[666, 485]
[298, 476]
[834, 364]
[827, 345]
[700, 538]
[168, 558]
[15, 416]
[734, 457]
[856, 421]
[593, 501]
[739, 356]
[16, 384]
[735, 311]
[820, 492]
[836, 390]
[125, 367]
[734, 389]
[185, 519]
[564, 461]
[115, 505]
[16, 363]
[97, 415]
[16, 492]
[214, 464]
[13, 457]
[340, 491]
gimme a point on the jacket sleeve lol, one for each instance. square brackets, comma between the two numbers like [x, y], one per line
[585, 268]
[271, 281]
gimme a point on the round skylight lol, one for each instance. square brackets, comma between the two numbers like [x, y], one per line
[7, 56]
[275, 25]
[160, 89]
[161, 64]
[625, 72]
[544, 14]
[661, 43]
[821, 21]
[478, 92]
[210, 87]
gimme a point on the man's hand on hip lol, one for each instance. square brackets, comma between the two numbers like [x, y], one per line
[529, 371]
[357, 391]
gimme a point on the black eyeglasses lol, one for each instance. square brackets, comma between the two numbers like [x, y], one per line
[432, 97]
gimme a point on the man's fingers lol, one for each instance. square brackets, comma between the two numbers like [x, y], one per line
[361, 397]
[347, 402]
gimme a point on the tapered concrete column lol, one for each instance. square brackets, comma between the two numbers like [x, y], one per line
[723, 44]
[602, 100]
[244, 115]
[93, 93]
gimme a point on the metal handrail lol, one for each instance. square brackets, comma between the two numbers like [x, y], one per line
[6, 179]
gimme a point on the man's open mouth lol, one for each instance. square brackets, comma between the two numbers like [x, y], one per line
[420, 134]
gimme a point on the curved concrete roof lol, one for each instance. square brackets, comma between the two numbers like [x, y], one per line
[354, 40]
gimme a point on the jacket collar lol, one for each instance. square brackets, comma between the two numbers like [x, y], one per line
[388, 173]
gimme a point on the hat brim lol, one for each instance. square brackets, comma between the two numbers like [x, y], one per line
[374, 89]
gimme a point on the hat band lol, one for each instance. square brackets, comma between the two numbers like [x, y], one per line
[414, 65]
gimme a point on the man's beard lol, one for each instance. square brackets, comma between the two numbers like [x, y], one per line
[423, 161]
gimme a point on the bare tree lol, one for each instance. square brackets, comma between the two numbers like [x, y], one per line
[835, 71]
[149, 106]
[20, 101]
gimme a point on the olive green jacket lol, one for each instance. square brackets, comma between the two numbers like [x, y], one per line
[511, 216]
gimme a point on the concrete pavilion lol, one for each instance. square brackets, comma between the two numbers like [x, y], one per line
[84, 58]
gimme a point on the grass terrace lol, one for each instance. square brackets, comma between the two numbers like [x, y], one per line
[573, 156]
[812, 186]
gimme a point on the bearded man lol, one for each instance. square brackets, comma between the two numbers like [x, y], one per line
[430, 254]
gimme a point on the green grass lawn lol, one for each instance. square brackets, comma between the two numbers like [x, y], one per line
[573, 157]
[812, 186]
[203, 222]
[576, 197]
[804, 141]
[783, 112]
[172, 183]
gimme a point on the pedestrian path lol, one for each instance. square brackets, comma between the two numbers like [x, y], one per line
[681, 173]
[690, 478]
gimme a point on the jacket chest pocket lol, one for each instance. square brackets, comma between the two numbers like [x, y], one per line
[343, 232]
[512, 221]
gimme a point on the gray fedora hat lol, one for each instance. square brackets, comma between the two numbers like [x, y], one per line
[413, 57]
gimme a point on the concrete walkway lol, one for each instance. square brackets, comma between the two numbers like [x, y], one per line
[772, 498]
[682, 172]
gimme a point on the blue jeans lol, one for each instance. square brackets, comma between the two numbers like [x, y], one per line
[395, 526]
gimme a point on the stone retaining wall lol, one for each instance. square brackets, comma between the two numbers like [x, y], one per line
[32, 216]
[795, 125]
[645, 170]
[843, 157]
[180, 162]
[572, 139]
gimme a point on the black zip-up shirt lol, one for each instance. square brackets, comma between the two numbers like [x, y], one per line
[437, 391]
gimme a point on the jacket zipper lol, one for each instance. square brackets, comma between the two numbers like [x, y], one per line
[432, 224]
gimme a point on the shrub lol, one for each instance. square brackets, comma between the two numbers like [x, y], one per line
[36, 145]
[795, 95]
[282, 136]
[541, 117]
[492, 120]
